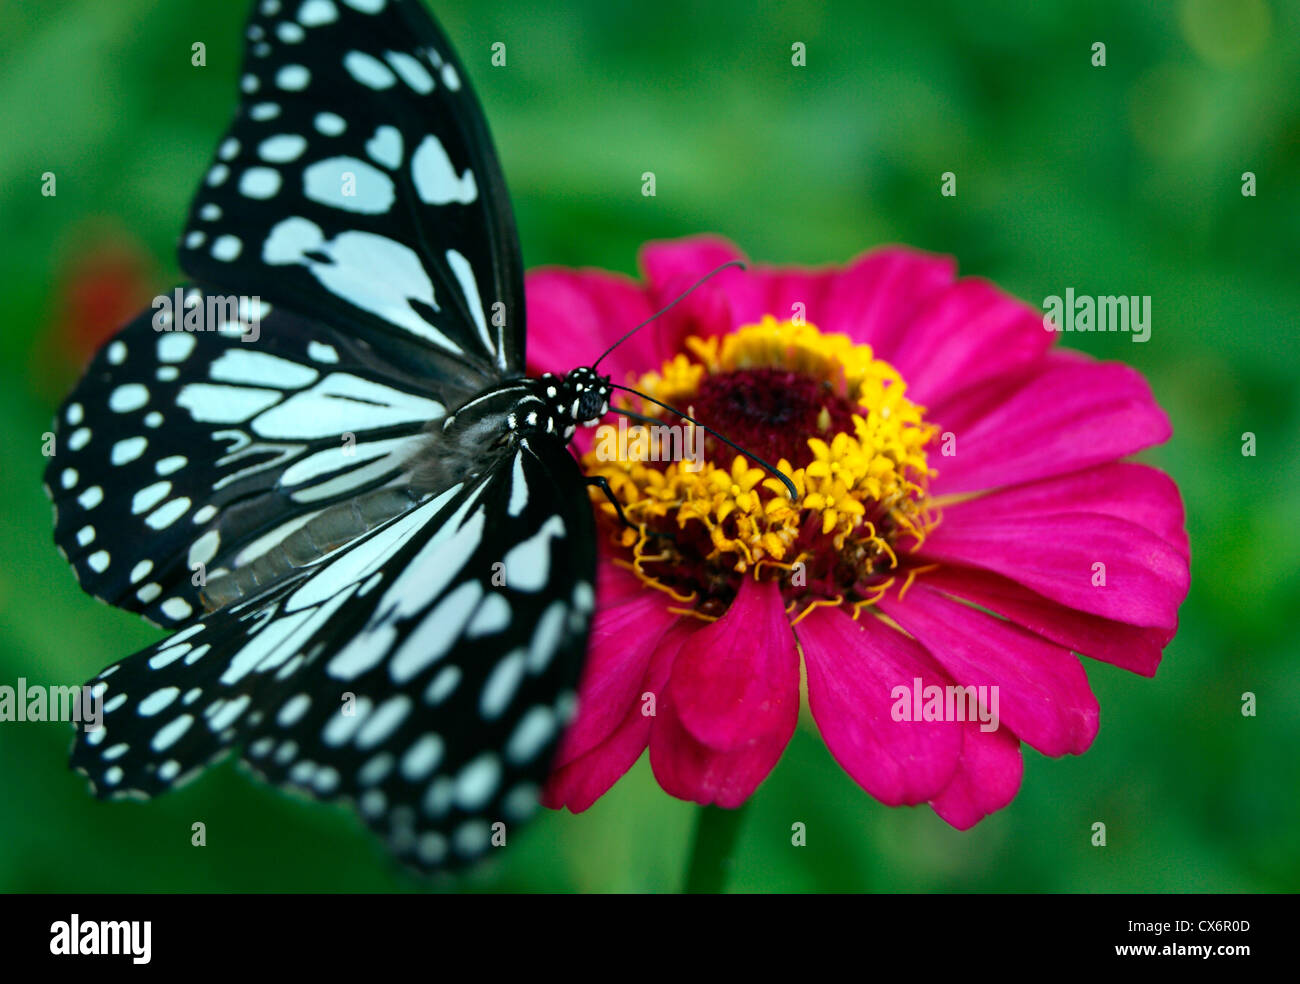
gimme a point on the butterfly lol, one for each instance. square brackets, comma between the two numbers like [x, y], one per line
[322, 466]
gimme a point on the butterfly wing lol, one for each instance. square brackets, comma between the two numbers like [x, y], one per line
[185, 448]
[358, 184]
[200, 447]
[423, 672]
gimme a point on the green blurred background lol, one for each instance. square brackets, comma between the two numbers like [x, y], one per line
[1123, 179]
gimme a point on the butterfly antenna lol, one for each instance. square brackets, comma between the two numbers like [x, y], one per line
[730, 263]
[794, 493]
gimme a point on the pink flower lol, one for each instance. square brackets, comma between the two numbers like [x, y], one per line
[950, 463]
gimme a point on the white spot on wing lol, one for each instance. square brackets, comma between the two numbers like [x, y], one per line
[372, 191]
[171, 733]
[366, 6]
[330, 124]
[128, 397]
[175, 347]
[149, 497]
[227, 248]
[518, 487]
[469, 288]
[422, 758]
[282, 148]
[386, 719]
[293, 78]
[436, 634]
[435, 178]
[261, 369]
[315, 13]
[322, 352]
[127, 450]
[210, 403]
[177, 608]
[547, 637]
[385, 147]
[528, 564]
[290, 239]
[412, 72]
[369, 70]
[157, 701]
[501, 686]
[204, 548]
[530, 736]
[372, 272]
[260, 183]
[492, 616]
[477, 782]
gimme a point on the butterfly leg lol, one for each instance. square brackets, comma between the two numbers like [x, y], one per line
[602, 483]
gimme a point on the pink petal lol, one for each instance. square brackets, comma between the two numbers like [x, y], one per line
[962, 409]
[1072, 415]
[725, 302]
[1043, 692]
[1138, 493]
[786, 293]
[1145, 577]
[573, 316]
[853, 668]
[580, 782]
[752, 719]
[731, 679]
[691, 771]
[1127, 646]
[966, 334]
[669, 262]
[625, 632]
[615, 584]
[987, 778]
[576, 785]
[874, 299]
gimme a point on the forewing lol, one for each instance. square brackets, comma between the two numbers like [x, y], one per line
[358, 183]
[424, 672]
[182, 448]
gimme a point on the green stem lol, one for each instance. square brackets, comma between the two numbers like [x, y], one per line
[715, 840]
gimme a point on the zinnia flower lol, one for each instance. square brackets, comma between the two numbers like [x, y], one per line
[963, 520]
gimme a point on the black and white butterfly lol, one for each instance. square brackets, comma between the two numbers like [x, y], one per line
[397, 545]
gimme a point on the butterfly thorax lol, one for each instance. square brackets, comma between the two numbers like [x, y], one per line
[548, 405]
[491, 424]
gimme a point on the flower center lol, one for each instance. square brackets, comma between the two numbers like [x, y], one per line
[770, 412]
[829, 415]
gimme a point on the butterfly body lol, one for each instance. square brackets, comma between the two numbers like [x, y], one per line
[361, 522]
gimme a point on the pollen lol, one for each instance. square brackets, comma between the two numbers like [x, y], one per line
[850, 441]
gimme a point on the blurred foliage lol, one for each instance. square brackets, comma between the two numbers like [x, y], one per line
[1122, 179]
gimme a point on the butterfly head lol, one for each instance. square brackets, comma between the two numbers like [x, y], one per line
[583, 397]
